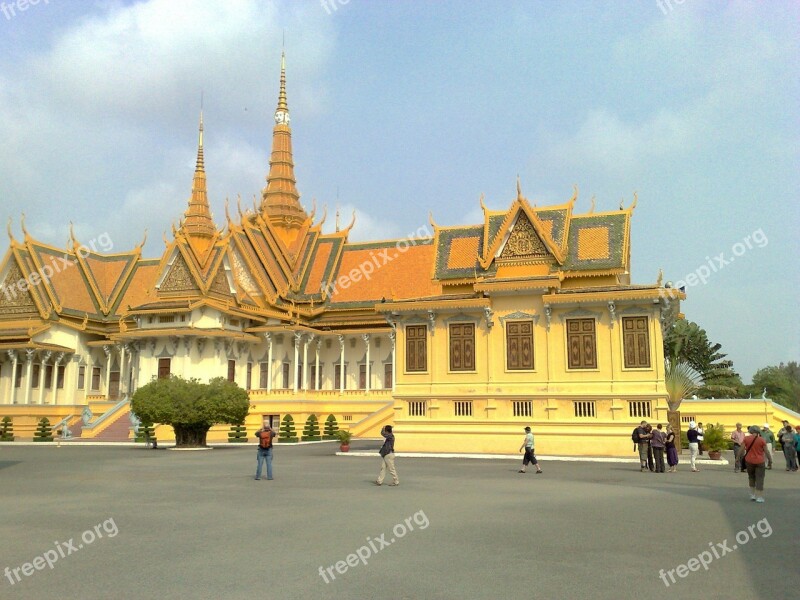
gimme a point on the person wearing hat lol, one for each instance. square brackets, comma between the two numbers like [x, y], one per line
[527, 445]
[737, 437]
[754, 454]
[694, 445]
[786, 436]
[769, 438]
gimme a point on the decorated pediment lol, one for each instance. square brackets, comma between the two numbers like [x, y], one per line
[524, 243]
[15, 297]
[178, 277]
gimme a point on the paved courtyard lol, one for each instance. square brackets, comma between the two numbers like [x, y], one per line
[167, 524]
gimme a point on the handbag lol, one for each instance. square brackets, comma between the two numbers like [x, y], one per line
[744, 462]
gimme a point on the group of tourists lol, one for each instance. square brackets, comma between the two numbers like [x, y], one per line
[753, 451]
[653, 445]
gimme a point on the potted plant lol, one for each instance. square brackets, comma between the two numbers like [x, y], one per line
[344, 437]
[714, 440]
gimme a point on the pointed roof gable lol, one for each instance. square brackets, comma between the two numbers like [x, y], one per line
[529, 235]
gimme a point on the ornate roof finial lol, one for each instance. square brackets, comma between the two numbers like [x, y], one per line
[337, 220]
[198, 215]
[519, 188]
[591, 210]
[8, 229]
[280, 200]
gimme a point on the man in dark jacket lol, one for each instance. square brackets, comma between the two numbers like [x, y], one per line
[387, 456]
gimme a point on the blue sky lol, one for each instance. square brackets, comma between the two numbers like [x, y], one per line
[401, 108]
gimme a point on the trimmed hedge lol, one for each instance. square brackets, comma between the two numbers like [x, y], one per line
[288, 435]
[6, 430]
[43, 432]
[311, 430]
[237, 434]
[331, 427]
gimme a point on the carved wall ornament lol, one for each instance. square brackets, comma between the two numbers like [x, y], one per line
[524, 242]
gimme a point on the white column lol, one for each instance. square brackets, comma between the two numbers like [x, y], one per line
[366, 382]
[269, 361]
[123, 354]
[307, 341]
[392, 336]
[56, 364]
[341, 364]
[316, 364]
[298, 337]
[28, 373]
[107, 350]
[42, 375]
[13, 356]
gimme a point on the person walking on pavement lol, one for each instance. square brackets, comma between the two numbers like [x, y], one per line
[693, 445]
[529, 457]
[753, 454]
[387, 457]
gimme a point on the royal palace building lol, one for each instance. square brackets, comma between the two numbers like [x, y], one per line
[458, 335]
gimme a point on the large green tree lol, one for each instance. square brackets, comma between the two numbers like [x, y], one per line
[687, 342]
[782, 384]
[190, 407]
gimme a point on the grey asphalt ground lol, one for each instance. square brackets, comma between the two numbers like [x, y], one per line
[196, 525]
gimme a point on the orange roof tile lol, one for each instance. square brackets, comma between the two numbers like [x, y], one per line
[593, 243]
[463, 253]
[362, 276]
[314, 282]
[107, 273]
[142, 285]
[73, 290]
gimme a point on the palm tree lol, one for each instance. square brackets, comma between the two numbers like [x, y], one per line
[682, 380]
[686, 342]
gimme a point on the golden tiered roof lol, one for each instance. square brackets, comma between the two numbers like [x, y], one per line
[275, 263]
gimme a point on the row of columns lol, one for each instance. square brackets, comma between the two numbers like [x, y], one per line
[58, 359]
[29, 360]
[308, 338]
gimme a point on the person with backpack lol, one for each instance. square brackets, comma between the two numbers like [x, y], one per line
[529, 457]
[265, 436]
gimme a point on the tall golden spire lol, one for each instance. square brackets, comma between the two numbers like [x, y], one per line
[280, 200]
[197, 218]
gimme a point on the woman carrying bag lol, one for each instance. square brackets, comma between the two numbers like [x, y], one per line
[753, 454]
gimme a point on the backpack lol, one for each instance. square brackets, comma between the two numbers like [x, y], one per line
[635, 436]
[265, 439]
